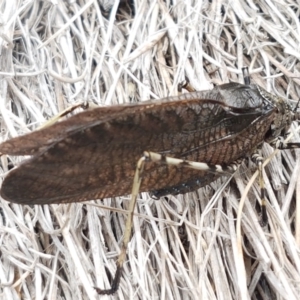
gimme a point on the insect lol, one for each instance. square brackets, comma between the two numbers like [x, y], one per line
[94, 153]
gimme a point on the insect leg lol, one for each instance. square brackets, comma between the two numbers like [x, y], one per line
[280, 144]
[185, 84]
[84, 105]
[155, 157]
[258, 160]
[128, 228]
[277, 143]
[246, 75]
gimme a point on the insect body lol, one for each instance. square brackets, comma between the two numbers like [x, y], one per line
[94, 154]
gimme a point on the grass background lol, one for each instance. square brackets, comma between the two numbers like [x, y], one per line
[55, 54]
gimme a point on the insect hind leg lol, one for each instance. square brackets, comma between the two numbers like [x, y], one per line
[154, 157]
[213, 173]
[128, 228]
[222, 170]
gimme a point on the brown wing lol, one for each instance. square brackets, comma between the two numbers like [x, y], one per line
[94, 154]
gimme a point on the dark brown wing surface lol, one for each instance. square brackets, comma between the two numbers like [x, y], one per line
[94, 154]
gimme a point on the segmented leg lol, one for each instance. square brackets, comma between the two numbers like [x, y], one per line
[128, 228]
[84, 105]
[154, 157]
[185, 85]
[258, 160]
[277, 143]
[246, 75]
[280, 144]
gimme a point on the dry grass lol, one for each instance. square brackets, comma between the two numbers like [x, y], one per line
[56, 53]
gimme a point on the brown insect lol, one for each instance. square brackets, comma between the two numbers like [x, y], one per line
[94, 153]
